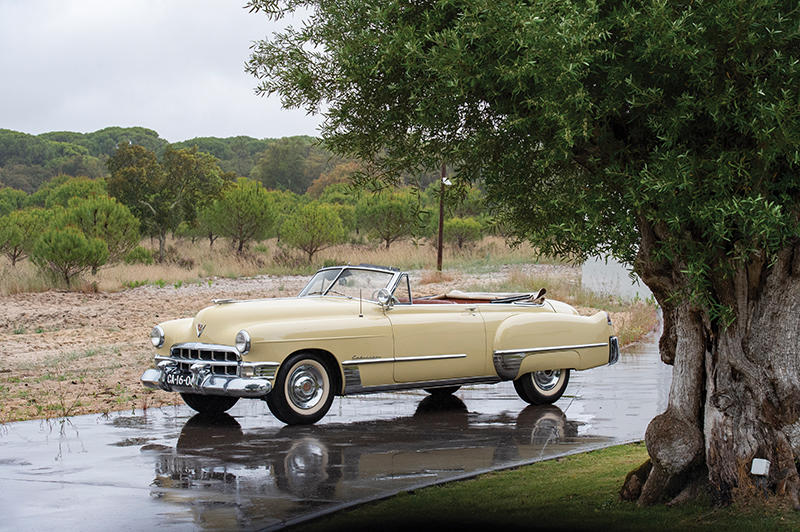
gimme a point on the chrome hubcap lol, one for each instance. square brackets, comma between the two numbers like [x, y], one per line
[546, 380]
[306, 386]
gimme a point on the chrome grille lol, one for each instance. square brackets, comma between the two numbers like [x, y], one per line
[264, 370]
[224, 360]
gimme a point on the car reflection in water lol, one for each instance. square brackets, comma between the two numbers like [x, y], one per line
[227, 477]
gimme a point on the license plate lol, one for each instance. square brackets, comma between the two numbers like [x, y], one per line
[178, 378]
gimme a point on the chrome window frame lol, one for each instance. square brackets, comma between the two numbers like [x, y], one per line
[391, 285]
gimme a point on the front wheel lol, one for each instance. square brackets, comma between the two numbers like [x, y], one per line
[209, 404]
[542, 387]
[303, 391]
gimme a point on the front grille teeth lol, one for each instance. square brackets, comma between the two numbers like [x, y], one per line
[207, 353]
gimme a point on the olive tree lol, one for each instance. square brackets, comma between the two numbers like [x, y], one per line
[666, 134]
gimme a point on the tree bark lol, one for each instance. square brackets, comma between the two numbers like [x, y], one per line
[735, 392]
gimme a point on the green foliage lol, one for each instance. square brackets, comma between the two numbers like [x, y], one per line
[235, 154]
[19, 230]
[104, 218]
[26, 161]
[138, 181]
[389, 216]
[11, 199]
[663, 131]
[244, 212]
[67, 252]
[76, 187]
[198, 175]
[104, 142]
[460, 231]
[312, 227]
[139, 255]
[163, 195]
[291, 163]
[341, 174]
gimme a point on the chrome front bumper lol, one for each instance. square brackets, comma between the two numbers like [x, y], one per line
[203, 381]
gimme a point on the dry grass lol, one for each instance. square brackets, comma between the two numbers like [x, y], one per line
[432, 277]
[188, 262]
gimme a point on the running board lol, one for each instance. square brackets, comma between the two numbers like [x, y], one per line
[353, 383]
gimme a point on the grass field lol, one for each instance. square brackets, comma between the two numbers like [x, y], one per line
[579, 492]
[188, 262]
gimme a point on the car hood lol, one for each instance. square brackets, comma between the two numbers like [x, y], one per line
[220, 322]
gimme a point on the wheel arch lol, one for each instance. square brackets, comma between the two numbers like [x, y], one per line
[330, 362]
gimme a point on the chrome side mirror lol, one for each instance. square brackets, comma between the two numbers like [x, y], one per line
[385, 299]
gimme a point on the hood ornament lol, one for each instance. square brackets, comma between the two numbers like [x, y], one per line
[200, 328]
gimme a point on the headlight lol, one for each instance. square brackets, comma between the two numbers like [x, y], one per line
[157, 336]
[242, 342]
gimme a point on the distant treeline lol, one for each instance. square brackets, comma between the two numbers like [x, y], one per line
[288, 163]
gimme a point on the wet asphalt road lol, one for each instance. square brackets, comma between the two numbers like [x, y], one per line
[167, 469]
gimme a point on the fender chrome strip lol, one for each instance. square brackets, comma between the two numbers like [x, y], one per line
[401, 359]
[546, 349]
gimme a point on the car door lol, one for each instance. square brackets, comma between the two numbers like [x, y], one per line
[437, 342]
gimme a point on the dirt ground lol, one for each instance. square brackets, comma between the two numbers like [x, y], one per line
[69, 353]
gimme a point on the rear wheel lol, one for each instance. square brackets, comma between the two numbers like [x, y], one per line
[209, 404]
[303, 391]
[542, 387]
[444, 390]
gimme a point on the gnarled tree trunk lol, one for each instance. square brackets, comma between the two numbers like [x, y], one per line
[735, 392]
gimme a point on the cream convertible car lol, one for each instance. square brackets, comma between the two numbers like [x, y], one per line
[357, 329]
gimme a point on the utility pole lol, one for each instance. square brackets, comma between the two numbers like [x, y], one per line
[441, 218]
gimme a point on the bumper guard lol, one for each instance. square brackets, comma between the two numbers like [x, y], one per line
[613, 350]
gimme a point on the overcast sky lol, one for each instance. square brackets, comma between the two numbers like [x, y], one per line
[175, 66]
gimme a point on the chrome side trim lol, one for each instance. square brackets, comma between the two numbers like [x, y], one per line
[359, 361]
[426, 358]
[508, 361]
[424, 384]
[432, 357]
[530, 350]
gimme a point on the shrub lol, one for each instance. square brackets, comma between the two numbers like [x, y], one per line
[19, 230]
[104, 218]
[67, 252]
[139, 255]
[312, 228]
[460, 231]
[244, 212]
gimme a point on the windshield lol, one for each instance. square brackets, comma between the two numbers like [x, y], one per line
[348, 282]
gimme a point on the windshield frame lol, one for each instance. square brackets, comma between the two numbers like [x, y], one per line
[391, 285]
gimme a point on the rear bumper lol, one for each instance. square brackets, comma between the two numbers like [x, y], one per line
[613, 350]
[202, 381]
